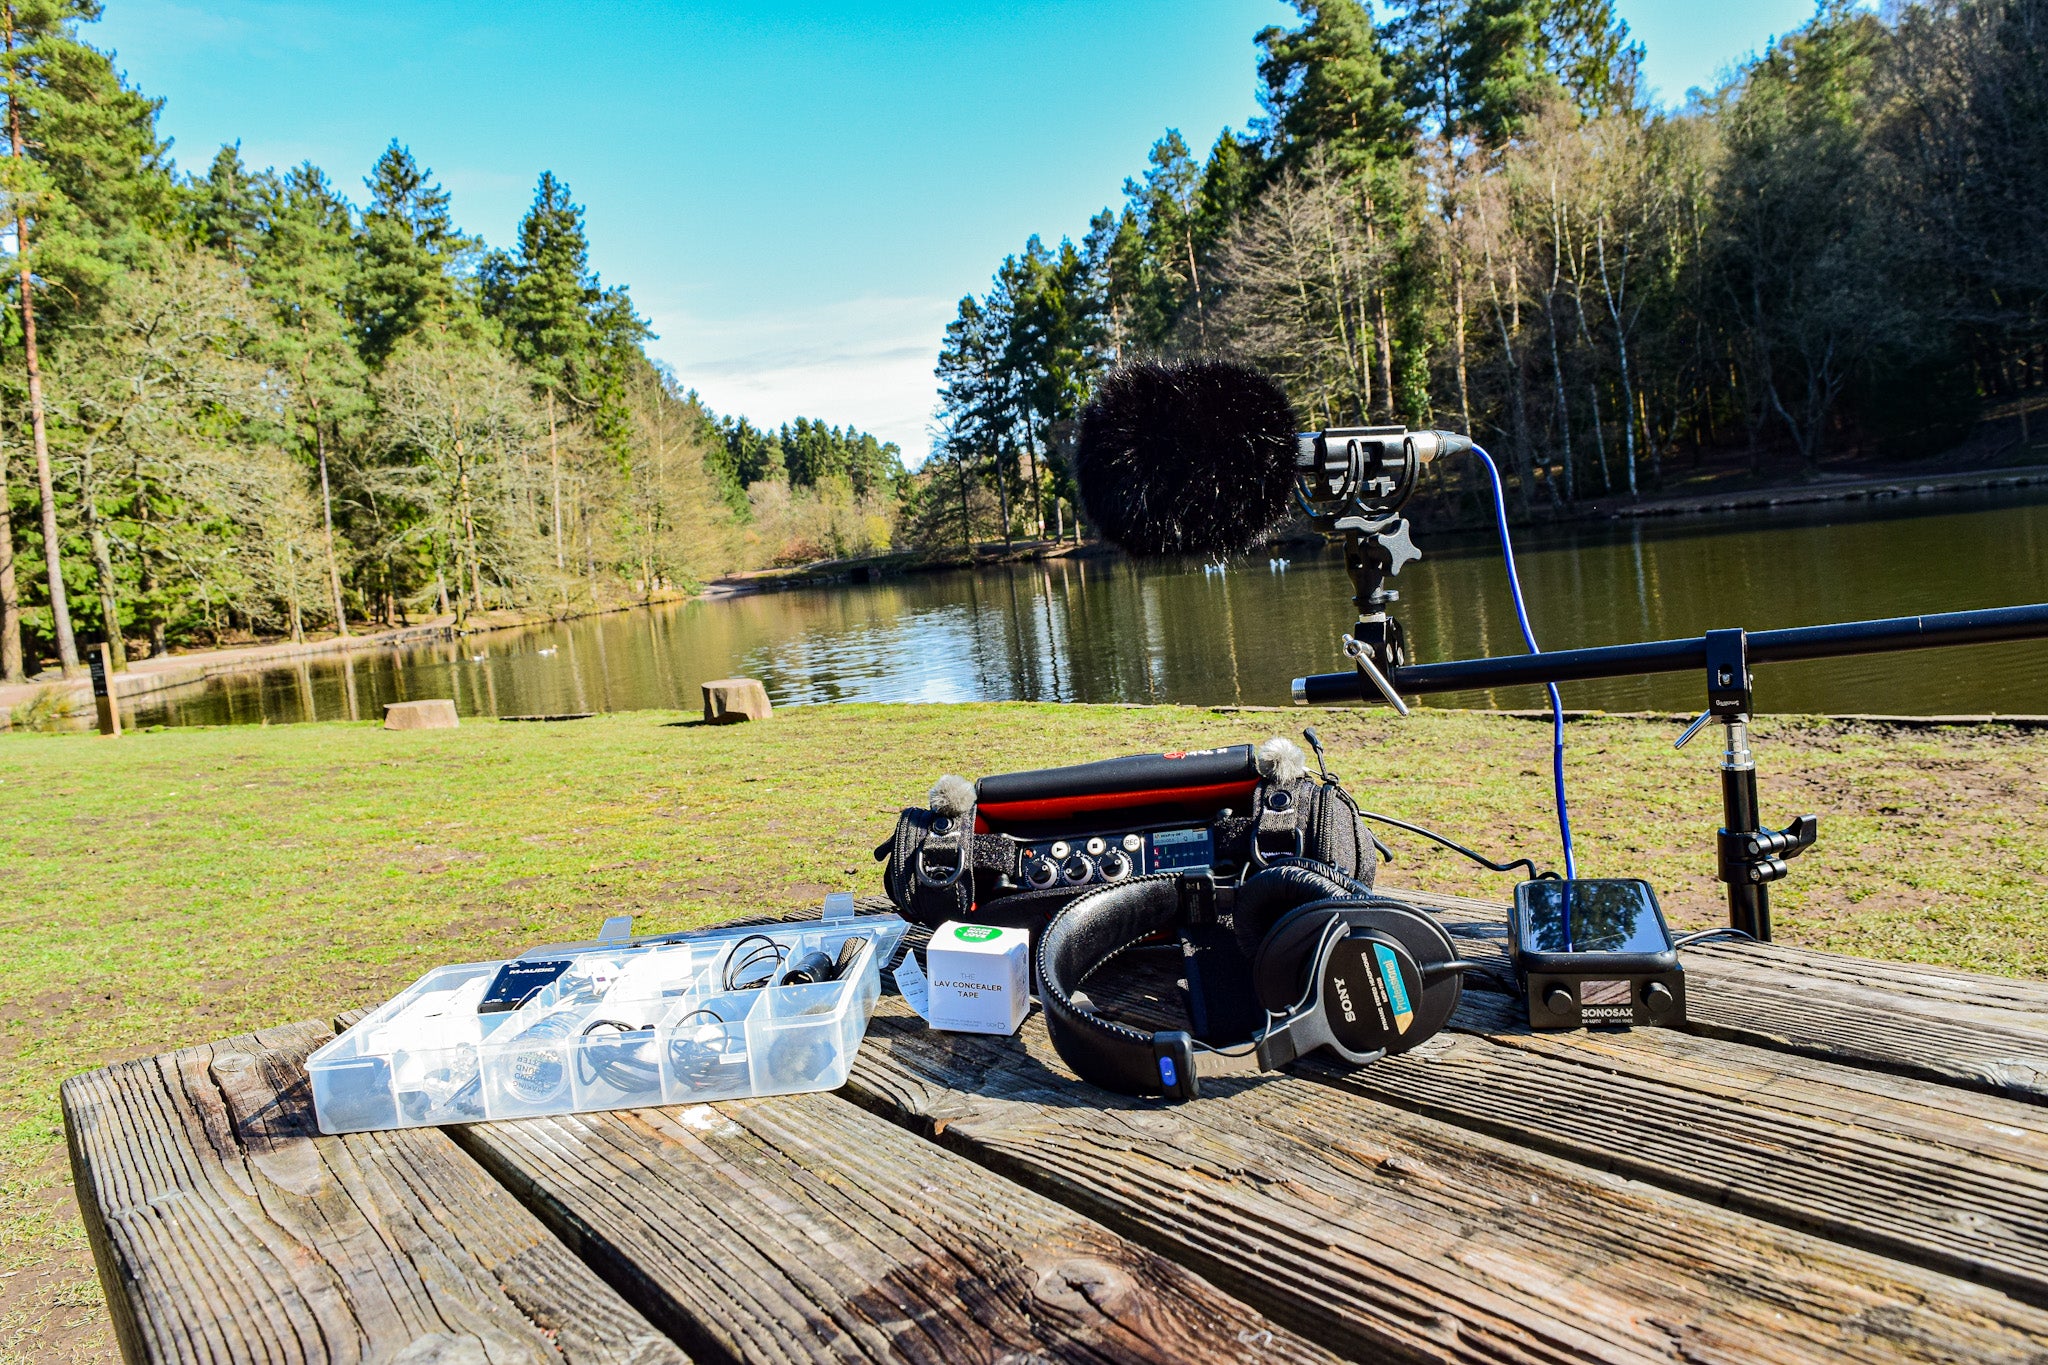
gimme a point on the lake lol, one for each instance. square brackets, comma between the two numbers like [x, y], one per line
[1103, 629]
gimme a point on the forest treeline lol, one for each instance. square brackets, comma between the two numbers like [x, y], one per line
[235, 402]
[1468, 214]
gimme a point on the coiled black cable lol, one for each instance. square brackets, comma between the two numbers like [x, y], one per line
[768, 954]
[622, 1062]
[1489, 864]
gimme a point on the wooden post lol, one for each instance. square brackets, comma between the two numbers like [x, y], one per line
[102, 668]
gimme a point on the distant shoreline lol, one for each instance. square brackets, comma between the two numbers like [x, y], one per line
[145, 677]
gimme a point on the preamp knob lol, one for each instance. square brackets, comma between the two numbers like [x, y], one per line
[1077, 869]
[1041, 871]
[1115, 865]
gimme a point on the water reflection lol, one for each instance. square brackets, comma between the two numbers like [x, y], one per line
[1108, 630]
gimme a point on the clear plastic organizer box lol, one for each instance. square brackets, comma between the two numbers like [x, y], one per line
[680, 1020]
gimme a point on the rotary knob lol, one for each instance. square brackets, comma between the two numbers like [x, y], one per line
[1558, 999]
[1077, 869]
[1041, 871]
[1115, 865]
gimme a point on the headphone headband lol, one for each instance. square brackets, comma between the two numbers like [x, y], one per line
[1090, 932]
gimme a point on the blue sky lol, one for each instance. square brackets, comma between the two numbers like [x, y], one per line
[797, 194]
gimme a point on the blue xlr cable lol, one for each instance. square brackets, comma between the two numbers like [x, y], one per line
[1507, 550]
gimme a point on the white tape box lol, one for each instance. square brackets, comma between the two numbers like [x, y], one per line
[980, 977]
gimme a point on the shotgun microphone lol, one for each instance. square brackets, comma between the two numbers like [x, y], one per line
[1203, 457]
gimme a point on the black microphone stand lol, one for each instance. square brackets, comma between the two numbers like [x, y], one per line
[1748, 856]
[1353, 483]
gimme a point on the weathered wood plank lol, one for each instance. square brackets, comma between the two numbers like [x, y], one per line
[1989, 1033]
[226, 1228]
[1809, 1144]
[803, 1228]
[1946, 1116]
[1880, 1180]
[1381, 1232]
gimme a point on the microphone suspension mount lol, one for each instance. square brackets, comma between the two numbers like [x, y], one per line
[1353, 482]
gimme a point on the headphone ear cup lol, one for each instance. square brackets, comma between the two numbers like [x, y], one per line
[1271, 894]
[1429, 944]
[1280, 970]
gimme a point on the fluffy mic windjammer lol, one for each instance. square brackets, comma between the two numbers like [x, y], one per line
[1193, 457]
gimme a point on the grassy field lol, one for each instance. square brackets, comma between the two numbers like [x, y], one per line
[171, 887]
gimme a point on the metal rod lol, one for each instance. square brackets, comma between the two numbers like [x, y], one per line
[1749, 903]
[1677, 656]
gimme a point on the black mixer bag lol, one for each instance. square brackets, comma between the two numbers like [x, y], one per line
[982, 850]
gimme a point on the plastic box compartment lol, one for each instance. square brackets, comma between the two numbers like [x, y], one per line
[679, 1020]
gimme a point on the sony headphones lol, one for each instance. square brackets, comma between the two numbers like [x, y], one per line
[1332, 965]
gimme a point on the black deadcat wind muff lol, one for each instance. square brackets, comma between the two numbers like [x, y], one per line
[1331, 966]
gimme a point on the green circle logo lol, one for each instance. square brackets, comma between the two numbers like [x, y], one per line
[976, 933]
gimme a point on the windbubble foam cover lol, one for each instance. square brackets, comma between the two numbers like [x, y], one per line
[1188, 457]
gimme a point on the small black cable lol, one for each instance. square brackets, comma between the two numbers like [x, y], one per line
[627, 1071]
[1489, 864]
[1702, 935]
[695, 1062]
[769, 951]
[1495, 979]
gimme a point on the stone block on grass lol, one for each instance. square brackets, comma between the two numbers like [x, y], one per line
[729, 701]
[437, 714]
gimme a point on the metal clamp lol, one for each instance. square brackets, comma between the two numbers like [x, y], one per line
[1360, 653]
[1753, 857]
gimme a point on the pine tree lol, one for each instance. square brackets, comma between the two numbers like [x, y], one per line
[1586, 47]
[225, 208]
[302, 262]
[1166, 203]
[87, 188]
[1333, 107]
[975, 409]
[1230, 183]
[1329, 85]
[547, 293]
[406, 250]
[1503, 77]
[1114, 256]
[577, 338]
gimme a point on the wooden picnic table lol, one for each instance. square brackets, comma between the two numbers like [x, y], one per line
[1836, 1160]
